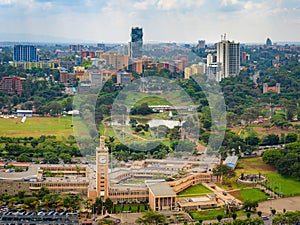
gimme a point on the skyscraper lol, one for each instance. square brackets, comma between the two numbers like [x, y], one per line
[228, 54]
[25, 53]
[136, 43]
[268, 42]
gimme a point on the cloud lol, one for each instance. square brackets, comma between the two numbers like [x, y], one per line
[143, 5]
[166, 4]
[165, 20]
[27, 4]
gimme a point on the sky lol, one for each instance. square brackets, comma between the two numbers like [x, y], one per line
[245, 21]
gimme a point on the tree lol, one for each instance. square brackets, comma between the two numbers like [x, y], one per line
[151, 217]
[273, 211]
[291, 137]
[98, 206]
[24, 158]
[143, 109]
[234, 216]
[55, 108]
[219, 218]
[259, 213]
[87, 206]
[272, 156]
[223, 170]
[72, 202]
[21, 194]
[43, 191]
[108, 205]
[252, 140]
[250, 205]
[65, 157]
[270, 139]
[248, 215]
[51, 157]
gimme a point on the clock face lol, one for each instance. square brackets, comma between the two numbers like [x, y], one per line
[102, 159]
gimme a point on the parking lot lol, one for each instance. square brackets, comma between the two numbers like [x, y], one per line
[38, 217]
[290, 204]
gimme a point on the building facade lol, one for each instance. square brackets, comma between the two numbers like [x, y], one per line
[25, 53]
[102, 169]
[228, 53]
[12, 84]
[116, 61]
[136, 43]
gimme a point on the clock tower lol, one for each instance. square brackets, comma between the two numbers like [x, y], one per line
[102, 169]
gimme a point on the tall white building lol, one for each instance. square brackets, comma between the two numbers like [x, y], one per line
[228, 54]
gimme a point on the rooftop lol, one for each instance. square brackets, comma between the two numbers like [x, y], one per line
[161, 189]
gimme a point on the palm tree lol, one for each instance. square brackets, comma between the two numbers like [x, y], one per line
[11, 202]
[87, 206]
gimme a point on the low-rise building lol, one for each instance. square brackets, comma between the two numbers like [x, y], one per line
[22, 113]
[12, 84]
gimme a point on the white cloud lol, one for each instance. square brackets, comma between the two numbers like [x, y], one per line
[6, 2]
[162, 20]
[28, 4]
[229, 2]
[166, 4]
[143, 5]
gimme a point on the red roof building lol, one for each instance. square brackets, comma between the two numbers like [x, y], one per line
[12, 84]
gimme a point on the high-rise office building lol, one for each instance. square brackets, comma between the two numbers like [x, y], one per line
[136, 43]
[269, 42]
[25, 53]
[201, 44]
[75, 48]
[228, 54]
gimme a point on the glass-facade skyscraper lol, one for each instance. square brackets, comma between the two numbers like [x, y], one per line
[25, 53]
[228, 54]
[136, 43]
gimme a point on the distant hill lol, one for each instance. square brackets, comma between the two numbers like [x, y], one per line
[6, 37]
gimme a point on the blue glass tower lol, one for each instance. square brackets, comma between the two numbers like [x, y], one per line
[136, 44]
[25, 53]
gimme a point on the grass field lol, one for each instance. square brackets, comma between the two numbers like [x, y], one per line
[134, 208]
[170, 98]
[196, 190]
[36, 126]
[287, 185]
[253, 194]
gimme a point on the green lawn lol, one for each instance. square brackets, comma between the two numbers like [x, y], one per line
[287, 185]
[129, 207]
[247, 166]
[169, 98]
[195, 190]
[36, 126]
[250, 194]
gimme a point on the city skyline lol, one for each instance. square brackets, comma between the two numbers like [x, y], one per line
[162, 20]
